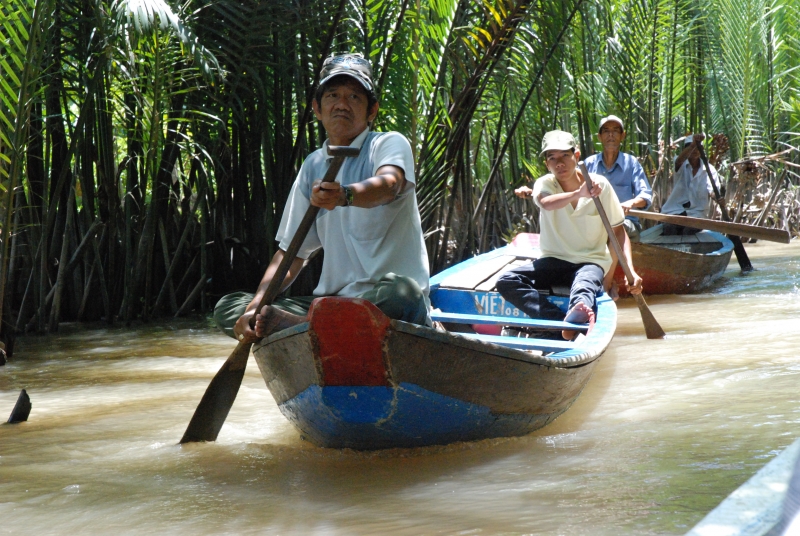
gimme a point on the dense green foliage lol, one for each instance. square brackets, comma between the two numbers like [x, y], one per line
[147, 147]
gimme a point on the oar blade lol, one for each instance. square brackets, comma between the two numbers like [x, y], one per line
[218, 399]
[651, 326]
[741, 254]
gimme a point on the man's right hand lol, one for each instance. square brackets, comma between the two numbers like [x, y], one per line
[523, 192]
[327, 195]
[243, 331]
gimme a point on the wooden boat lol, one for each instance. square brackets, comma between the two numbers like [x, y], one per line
[352, 378]
[678, 264]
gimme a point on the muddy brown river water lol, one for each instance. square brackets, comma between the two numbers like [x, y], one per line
[662, 433]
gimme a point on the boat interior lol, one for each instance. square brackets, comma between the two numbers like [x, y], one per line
[700, 243]
[484, 315]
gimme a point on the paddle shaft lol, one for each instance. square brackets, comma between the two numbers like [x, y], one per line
[220, 394]
[738, 229]
[738, 247]
[651, 326]
[275, 284]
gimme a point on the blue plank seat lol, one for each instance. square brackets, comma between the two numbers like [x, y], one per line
[544, 345]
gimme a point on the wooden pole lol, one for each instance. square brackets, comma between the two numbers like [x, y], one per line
[738, 248]
[651, 326]
[213, 409]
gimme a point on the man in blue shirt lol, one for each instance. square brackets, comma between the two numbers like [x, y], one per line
[623, 171]
[626, 176]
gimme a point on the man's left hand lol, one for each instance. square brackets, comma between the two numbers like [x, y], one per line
[595, 191]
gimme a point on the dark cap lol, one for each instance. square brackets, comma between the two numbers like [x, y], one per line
[352, 65]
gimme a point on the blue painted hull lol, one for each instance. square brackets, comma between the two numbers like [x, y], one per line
[384, 417]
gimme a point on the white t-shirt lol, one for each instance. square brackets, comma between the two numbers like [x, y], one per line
[690, 192]
[361, 244]
[577, 234]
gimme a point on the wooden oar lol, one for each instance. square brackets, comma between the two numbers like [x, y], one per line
[725, 227]
[213, 409]
[651, 326]
[738, 248]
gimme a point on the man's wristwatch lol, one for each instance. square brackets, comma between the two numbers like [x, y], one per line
[348, 195]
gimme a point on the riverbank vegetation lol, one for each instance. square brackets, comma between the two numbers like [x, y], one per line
[147, 146]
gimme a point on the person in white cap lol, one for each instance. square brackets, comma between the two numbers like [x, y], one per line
[572, 238]
[627, 177]
[691, 189]
[369, 227]
[623, 171]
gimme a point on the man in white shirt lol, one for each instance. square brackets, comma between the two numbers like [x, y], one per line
[692, 188]
[369, 226]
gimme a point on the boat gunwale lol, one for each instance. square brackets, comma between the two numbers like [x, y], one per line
[588, 349]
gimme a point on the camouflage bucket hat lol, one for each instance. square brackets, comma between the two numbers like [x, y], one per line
[352, 65]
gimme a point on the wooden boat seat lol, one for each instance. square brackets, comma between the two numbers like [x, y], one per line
[457, 292]
[530, 344]
[483, 277]
[521, 343]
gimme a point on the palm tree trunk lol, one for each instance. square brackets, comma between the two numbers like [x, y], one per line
[55, 311]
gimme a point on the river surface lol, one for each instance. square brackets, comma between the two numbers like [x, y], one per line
[662, 433]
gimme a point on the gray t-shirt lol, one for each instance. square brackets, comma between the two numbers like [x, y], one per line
[361, 244]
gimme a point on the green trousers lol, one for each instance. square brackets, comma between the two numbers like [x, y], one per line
[398, 296]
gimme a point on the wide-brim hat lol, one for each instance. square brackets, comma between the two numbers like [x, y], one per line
[558, 140]
[612, 118]
[352, 65]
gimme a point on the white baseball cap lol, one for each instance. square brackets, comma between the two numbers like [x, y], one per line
[613, 118]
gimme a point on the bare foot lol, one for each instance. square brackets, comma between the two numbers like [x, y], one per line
[272, 320]
[580, 314]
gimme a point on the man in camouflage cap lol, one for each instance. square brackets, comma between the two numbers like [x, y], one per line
[369, 226]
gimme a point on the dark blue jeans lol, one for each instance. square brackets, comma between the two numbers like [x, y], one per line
[519, 286]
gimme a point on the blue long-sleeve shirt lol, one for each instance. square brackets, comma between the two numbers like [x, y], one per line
[626, 177]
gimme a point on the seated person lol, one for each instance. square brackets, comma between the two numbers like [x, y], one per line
[572, 238]
[627, 177]
[369, 226]
[692, 189]
[623, 171]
